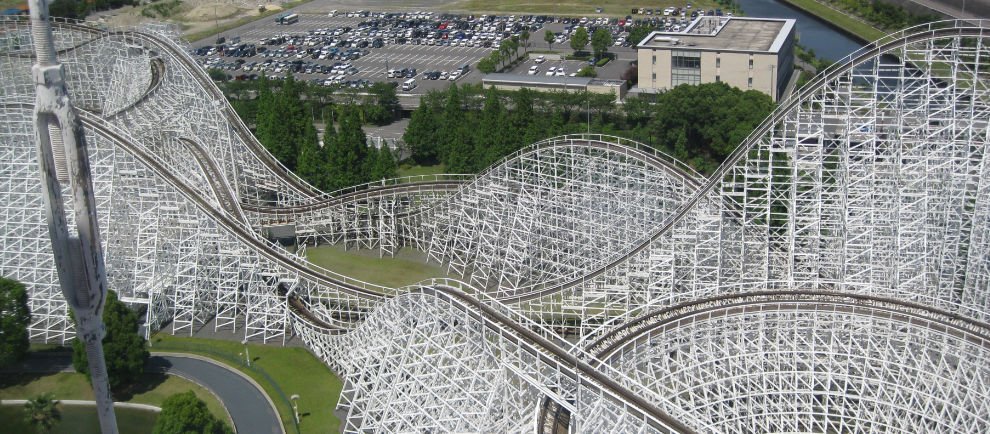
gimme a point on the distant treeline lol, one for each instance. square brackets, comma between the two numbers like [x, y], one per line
[468, 128]
[284, 122]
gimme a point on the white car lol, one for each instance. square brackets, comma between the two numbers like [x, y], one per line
[444, 75]
[561, 72]
[455, 75]
[541, 59]
[533, 70]
[551, 70]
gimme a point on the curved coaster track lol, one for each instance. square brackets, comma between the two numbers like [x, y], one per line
[832, 275]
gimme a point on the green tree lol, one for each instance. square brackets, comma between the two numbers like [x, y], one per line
[311, 164]
[703, 124]
[381, 163]
[457, 151]
[504, 48]
[524, 37]
[422, 133]
[124, 349]
[386, 102]
[638, 33]
[281, 119]
[14, 319]
[579, 39]
[491, 137]
[217, 74]
[587, 71]
[184, 413]
[490, 63]
[41, 413]
[549, 37]
[347, 154]
[600, 41]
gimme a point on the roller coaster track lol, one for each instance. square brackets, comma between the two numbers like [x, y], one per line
[784, 109]
[207, 85]
[236, 227]
[589, 367]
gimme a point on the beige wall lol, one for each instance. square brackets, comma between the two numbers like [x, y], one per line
[647, 68]
[731, 68]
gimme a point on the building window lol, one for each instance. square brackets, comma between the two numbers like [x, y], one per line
[654, 76]
[750, 62]
[750, 82]
[654, 59]
[718, 61]
[685, 67]
[718, 78]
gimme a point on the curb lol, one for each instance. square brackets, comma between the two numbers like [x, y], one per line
[87, 403]
[208, 389]
[234, 370]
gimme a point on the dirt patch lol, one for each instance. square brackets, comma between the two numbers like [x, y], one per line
[192, 17]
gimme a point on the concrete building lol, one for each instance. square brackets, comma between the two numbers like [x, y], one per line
[748, 53]
[566, 84]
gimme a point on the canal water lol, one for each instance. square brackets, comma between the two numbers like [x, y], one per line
[827, 42]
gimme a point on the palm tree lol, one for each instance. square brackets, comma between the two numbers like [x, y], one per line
[524, 37]
[41, 412]
[504, 49]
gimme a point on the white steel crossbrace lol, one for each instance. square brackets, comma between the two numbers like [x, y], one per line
[870, 191]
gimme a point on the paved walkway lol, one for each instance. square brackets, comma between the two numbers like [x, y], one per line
[249, 407]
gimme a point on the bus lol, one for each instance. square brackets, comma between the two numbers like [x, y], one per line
[287, 19]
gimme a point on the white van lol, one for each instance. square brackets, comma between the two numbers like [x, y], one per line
[409, 84]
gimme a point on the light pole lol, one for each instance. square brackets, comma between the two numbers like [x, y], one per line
[295, 407]
[247, 355]
[78, 256]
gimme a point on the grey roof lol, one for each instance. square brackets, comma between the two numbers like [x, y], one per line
[737, 34]
[538, 80]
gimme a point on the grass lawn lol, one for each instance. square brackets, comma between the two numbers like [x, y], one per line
[407, 267]
[281, 371]
[618, 8]
[78, 419]
[153, 389]
[411, 170]
[858, 28]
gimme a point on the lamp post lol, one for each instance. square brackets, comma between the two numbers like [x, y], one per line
[295, 407]
[247, 354]
[78, 256]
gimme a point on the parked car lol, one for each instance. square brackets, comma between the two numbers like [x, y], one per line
[551, 71]
[533, 70]
[541, 59]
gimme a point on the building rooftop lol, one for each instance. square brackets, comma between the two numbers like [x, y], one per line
[725, 34]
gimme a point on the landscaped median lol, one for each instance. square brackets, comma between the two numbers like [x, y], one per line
[152, 389]
[280, 371]
[843, 21]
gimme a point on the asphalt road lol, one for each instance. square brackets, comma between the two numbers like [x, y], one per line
[247, 405]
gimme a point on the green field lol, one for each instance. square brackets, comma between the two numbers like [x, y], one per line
[853, 25]
[78, 419]
[407, 267]
[617, 8]
[416, 170]
[152, 390]
[281, 372]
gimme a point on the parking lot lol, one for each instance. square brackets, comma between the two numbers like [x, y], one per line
[356, 48]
